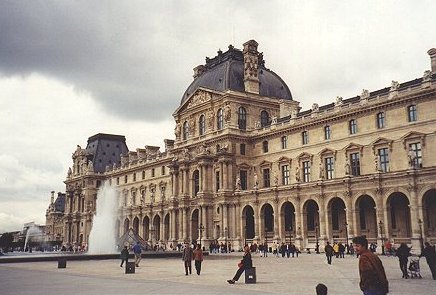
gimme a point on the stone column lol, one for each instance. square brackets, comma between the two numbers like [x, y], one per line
[225, 175]
[414, 216]
[181, 225]
[276, 219]
[181, 182]
[204, 220]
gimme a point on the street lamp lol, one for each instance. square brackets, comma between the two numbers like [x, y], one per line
[245, 237]
[346, 236]
[290, 234]
[225, 239]
[151, 237]
[420, 234]
[316, 237]
[201, 228]
[381, 237]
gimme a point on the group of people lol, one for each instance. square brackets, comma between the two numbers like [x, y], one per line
[338, 250]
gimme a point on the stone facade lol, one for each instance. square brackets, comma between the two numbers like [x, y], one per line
[248, 167]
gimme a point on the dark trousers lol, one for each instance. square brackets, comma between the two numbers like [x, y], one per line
[329, 259]
[288, 254]
[403, 266]
[238, 273]
[283, 253]
[122, 261]
[432, 265]
[188, 265]
[198, 266]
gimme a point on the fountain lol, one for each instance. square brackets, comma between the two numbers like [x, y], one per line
[102, 239]
[31, 231]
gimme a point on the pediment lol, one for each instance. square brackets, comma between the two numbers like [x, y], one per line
[284, 159]
[199, 97]
[327, 151]
[413, 136]
[381, 142]
[244, 165]
[353, 146]
[305, 155]
[265, 163]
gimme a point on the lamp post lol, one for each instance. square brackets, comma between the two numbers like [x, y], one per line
[245, 236]
[316, 237]
[346, 237]
[421, 241]
[225, 239]
[290, 234]
[381, 236]
[200, 229]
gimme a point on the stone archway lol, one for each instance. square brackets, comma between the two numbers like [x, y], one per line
[126, 225]
[337, 219]
[136, 225]
[398, 212]
[311, 230]
[366, 219]
[429, 215]
[194, 225]
[166, 233]
[155, 229]
[267, 222]
[288, 221]
[146, 228]
[248, 223]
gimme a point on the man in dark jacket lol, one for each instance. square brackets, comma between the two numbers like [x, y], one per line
[328, 249]
[430, 255]
[403, 253]
[372, 273]
[187, 257]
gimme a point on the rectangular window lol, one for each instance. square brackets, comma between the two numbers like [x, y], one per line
[415, 155]
[242, 148]
[125, 178]
[134, 176]
[284, 142]
[118, 180]
[329, 167]
[381, 120]
[217, 180]
[266, 180]
[355, 164]
[265, 146]
[163, 170]
[143, 174]
[306, 171]
[243, 177]
[383, 158]
[285, 174]
[152, 172]
[305, 137]
[353, 126]
[412, 113]
[327, 132]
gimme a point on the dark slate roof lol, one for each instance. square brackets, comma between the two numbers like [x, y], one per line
[105, 150]
[226, 72]
[59, 204]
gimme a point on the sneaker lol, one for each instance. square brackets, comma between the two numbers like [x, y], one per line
[230, 281]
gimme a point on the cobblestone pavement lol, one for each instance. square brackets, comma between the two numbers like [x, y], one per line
[166, 276]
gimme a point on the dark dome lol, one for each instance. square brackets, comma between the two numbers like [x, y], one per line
[226, 71]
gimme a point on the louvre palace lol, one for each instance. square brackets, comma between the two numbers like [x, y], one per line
[248, 165]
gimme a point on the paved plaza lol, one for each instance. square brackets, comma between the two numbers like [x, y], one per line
[166, 276]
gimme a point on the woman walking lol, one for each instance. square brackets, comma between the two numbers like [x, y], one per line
[198, 258]
[124, 256]
[246, 263]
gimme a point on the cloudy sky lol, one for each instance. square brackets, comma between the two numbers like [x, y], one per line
[71, 69]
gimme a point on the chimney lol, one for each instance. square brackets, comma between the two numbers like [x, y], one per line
[199, 70]
[432, 53]
[251, 66]
[52, 197]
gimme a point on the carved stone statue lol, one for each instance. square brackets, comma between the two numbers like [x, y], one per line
[257, 124]
[297, 173]
[256, 182]
[395, 85]
[210, 120]
[238, 183]
[377, 168]
[90, 167]
[177, 130]
[227, 113]
[411, 158]
[69, 172]
[347, 167]
[427, 76]
[338, 101]
[276, 179]
[365, 94]
[186, 154]
[315, 107]
[321, 170]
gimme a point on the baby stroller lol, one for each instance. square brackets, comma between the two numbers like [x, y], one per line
[414, 270]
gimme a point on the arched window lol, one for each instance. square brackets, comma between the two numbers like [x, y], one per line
[242, 118]
[219, 119]
[196, 178]
[185, 130]
[264, 119]
[202, 125]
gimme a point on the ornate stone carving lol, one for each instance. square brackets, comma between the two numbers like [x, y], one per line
[321, 170]
[255, 181]
[90, 167]
[238, 184]
[257, 124]
[177, 130]
[227, 113]
[315, 107]
[395, 85]
[199, 98]
[297, 173]
[338, 101]
[365, 94]
[274, 120]
[427, 76]
[250, 66]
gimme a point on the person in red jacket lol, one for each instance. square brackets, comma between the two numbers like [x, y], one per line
[373, 279]
[198, 258]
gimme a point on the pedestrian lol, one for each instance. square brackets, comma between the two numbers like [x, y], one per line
[321, 289]
[246, 263]
[265, 250]
[187, 257]
[336, 249]
[403, 253]
[328, 249]
[341, 250]
[430, 255]
[198, 258]
[137, 250]
[373, 279]
[124, 256]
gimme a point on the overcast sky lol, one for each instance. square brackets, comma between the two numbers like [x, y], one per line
[71, 69]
